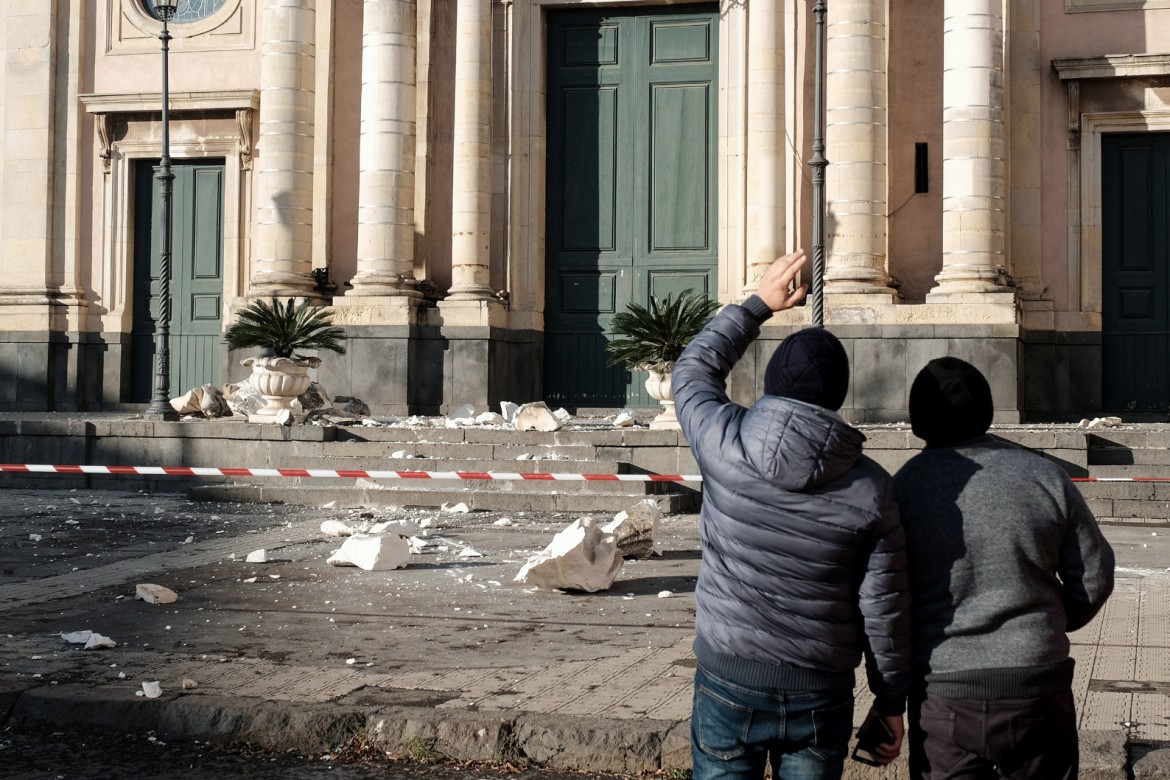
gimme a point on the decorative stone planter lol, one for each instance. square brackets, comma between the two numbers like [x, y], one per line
[279, 380]
[658, 386]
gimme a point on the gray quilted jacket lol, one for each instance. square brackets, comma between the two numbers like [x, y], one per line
[804, 566]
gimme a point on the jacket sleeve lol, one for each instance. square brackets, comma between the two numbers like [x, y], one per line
[699, 379]
[884, 599]
[1086, 563]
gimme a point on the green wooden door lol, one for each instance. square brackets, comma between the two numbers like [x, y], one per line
[196, 276]
[1135, 305]
[631, 183]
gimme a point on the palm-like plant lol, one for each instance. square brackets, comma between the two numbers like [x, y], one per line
[653, 338]
[284, 328]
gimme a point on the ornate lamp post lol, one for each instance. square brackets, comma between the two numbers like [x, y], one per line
[818, 162]
[160, 405]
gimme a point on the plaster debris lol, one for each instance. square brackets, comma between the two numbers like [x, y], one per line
[373, 552]
[338, 528]
[151, 690]
[250, 580]
[470, 552]
[563, 415]
[189, 684]
[636, 529]
[536, 416]
[525, 456]
[330, 505]
[417, 544]
[625, 419]
[504, 521]
[489, 418]
[350, 405]
[284, 417]
[1101, 422]
[508, 410]
[90, 640]
[399, 454]
[34, 537]
[464, 415]
[665, 594]
[155, 594]
[257, 556]
[189, 540]
[456, 509]
[581, 557]
[400, 527]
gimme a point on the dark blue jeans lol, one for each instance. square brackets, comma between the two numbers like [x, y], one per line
[736, 729]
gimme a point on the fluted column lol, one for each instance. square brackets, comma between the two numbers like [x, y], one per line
[974, 182]
[765, 233]
[856, 118]
[284, 231]
[472, 193]
[385, 240]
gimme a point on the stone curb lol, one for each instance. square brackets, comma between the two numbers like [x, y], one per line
[584, 744]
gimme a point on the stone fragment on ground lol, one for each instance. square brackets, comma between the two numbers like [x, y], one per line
[625, 419]
[89, 640]
[1101, 422]
[257, 556]
[636, 529]
[536, 416]
[352, 406]
[373, 552]
[155, 594]
[563, 415]
[581, 557]
[151, 690]
[508, 410]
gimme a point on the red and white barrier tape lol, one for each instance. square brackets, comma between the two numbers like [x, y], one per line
[201, 471]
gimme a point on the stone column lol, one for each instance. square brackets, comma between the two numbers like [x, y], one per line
[974, 184]
[385, 240]
[765, 228]
[283, 253]
[856, 118]
[472, 186]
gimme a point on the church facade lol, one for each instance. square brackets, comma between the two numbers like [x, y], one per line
[475, 188]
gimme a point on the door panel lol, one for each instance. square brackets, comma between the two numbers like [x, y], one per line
[631, 183]
[1136, 268]
[196, 276]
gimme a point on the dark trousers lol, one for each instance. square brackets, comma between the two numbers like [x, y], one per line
[1020, 739]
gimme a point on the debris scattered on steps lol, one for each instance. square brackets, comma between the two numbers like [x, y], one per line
[1101, 422]
[155, 594]
[562, 415]
[489, 418]
[508, 411]
[625, 419]
[536, 416]
[581, 557]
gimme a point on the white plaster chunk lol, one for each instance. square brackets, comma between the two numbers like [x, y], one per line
[536, 416]
[35, 537]
[463, 415]
[188, 402]
[508, 410]
[284, 417]
[470, 552]
[400, 527]
[563, 415]
[636, 529]
[189, 684]
[151, 690]
[1101, 422]
[665, 594]
[90, 640]
[417, 543]
[155, 594]
[581, 557]
[625, 420]
[489, 418]
[400, 454]
[456, 509]
[373, 552]
[337, 528]
[257, 556]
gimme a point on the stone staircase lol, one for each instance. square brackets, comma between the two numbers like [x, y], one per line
[589, 446]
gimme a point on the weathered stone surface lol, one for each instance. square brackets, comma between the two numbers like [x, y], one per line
[155, 594]
[349, 405]
[1103, 755]
[581, 557]
[315, 399]
[536, 416]
[636, 529]
[188, 402]
[1154, 765]
[213, 404]
[373, 552]
[243, 399]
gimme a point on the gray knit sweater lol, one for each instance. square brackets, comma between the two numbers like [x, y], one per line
[1005, 558]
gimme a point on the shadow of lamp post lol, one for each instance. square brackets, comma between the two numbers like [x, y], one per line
[160, 405]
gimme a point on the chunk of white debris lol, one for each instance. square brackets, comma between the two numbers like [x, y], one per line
[284, 417]
[189, 540]
[625, 420]
[34, 537]
[463, 415]
[470, 552]
[250, 580]
[373, 552]
[563, 415]
[122, 676]
[400, 527]
[99, 642]
[581, 557]
[508, 410]
[536, 416]
[665, 594]
[417, 543]
[257, 556]
[636, 529]
[155, 594]
[189, 684]
[338, 528]
[350, 661]
[456, 509]
[77, 637]
[399, 454]
[504, 521]
[151, 690]
[489, 418]
[330, 505]
[524, 456]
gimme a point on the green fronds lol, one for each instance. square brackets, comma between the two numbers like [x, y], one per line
[655, 337]
[285, 328]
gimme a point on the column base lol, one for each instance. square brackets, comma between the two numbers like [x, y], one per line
[472, 312]
[873, 307]
[1001, 296]
[376, 310]
[282, 285]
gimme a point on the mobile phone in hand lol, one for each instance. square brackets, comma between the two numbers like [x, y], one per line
[869, 736]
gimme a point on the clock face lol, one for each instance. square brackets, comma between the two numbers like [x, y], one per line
[188, 10]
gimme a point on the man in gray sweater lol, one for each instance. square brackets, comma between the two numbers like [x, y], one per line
[1005, 559]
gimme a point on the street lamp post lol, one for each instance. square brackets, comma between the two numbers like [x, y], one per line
[818, 162]
[160, 405]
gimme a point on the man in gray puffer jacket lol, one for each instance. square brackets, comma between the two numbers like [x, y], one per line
[803, 566]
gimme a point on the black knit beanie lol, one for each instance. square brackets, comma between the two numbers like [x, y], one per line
[810, 366]
[950, 402]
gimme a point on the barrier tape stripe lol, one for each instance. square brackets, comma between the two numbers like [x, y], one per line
[207, 471]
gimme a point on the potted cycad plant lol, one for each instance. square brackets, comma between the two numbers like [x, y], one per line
[279, 330]
[652, 338]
